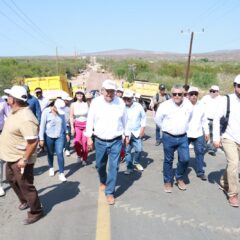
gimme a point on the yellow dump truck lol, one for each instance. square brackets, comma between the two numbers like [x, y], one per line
[52, 86]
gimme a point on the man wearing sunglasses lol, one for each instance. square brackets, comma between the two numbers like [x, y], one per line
[211, 102]
[230, 140]
[173, 117]
[198, 131]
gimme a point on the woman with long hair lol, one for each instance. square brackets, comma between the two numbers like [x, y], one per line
[78, 120]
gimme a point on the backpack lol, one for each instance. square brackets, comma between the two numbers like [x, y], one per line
[224, 119]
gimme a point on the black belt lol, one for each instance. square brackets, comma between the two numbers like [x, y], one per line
[108, 140]
[180, 135]
[210, 119]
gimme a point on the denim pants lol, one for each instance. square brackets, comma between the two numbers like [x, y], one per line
[198, 144]
[108, 152]
[158, 133]
[135, 143]
[56, 144]
[170, 145]
[67, 143]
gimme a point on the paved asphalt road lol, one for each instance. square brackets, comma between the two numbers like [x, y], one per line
[73, 210]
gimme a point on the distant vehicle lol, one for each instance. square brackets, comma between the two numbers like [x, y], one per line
[53, 86]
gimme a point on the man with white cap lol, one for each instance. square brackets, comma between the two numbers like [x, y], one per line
[211, 102]
[230, 140]
[198, 131]
[136, 125]
[106, 121]
[53, 131]
[173, 117]
[119, 92]
[18, 143]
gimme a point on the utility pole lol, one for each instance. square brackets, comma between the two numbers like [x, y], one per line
[189, 55]
[189, 59]
[57, 66]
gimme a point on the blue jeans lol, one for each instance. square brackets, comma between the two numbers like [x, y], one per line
[56, 144]
[170, 145]
[135, 143]
[158, 135]
[108, 151]
[198, 144]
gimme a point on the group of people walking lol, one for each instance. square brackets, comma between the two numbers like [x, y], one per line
[114, 123]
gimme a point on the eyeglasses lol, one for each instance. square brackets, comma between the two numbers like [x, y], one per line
[213, 91]
[177, 94]
[193, 94]
[127, 99]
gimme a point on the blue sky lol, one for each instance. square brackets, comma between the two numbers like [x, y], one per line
[37, 27]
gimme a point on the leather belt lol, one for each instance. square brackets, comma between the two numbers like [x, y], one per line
[180, 135]
[108, 140]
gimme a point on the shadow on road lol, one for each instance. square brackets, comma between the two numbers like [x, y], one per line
[58, 193]
[214, 177]
[126, 181]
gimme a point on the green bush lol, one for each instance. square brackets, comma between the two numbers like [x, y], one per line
[204, 79]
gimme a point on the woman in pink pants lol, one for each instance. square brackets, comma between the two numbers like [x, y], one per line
[78, 119]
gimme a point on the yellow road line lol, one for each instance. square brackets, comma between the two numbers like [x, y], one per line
[103, 231]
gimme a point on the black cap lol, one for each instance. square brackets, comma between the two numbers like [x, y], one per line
[161, 87]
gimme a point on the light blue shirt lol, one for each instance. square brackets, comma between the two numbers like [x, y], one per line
[53, 125]
[136, 118]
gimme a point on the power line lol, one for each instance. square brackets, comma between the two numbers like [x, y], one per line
[19, 26]
[30, 22]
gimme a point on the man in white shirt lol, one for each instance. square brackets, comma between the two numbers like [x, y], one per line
[43, 101]
[107, 116]
[136, 125]
[198, 131]
[211, 102]
[230, 140]
[173, 117]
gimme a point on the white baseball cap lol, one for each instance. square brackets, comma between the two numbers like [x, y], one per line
[193, 89]
[128, 94]
[109, 85]
[120, 89]
[67, 98]
[60, 105]
[18, 92]
[215, 87]
[237, 79]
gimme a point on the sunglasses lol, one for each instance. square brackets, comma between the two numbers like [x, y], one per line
[237, 85]
[213, 91]
[193, 94]
[177, 94]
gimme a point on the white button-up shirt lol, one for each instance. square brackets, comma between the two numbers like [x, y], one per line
[233, 129]
[136, 118]
[44, 102]
[198, 122]
[108, 119]
[210, 105]
[172, 118]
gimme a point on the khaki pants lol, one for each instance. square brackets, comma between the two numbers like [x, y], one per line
[230, 179]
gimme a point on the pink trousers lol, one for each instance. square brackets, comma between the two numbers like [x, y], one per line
[80, 141]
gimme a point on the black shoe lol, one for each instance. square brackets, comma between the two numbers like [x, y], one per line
[23, 206]
[157, 143]
[212, 153]
[203, 177]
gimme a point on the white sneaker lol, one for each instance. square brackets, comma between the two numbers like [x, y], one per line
[51, 172]
[84, 163]
[2, 192]
[62, 177]
[138, 167]
[67, 153]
